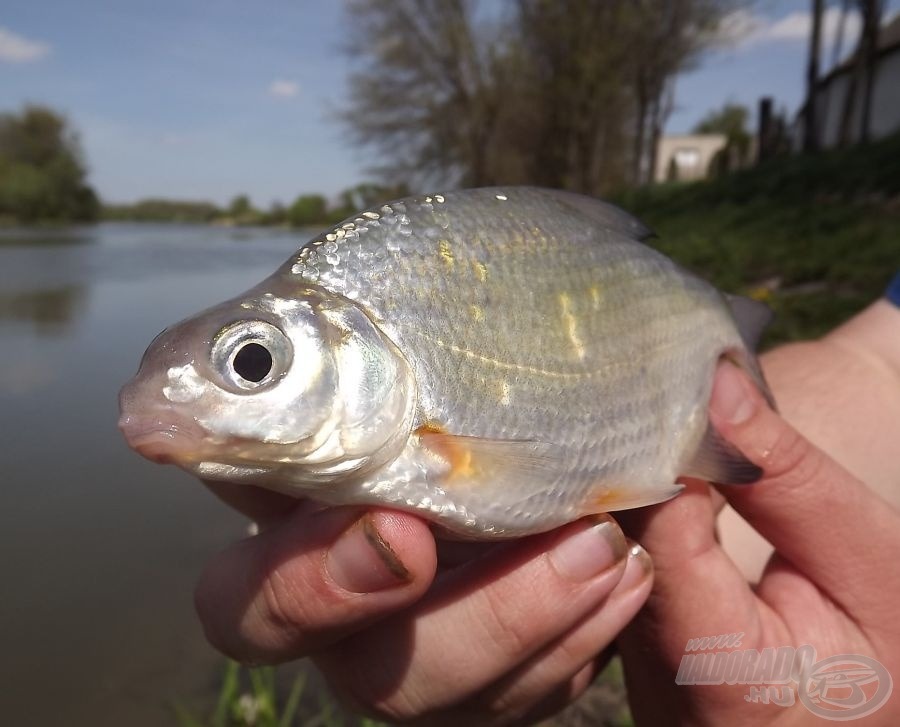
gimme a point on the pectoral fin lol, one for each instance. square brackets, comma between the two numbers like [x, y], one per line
[513, 465]
[719, 461]
[525, 468]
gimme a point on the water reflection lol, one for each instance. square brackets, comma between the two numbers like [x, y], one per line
[100, 548]
[51, 310]
[46, 236]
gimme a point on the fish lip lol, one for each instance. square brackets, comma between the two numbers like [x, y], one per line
[160, 439]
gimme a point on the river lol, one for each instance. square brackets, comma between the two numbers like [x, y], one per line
[100, 548]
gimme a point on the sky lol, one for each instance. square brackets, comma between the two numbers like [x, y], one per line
[206, 100]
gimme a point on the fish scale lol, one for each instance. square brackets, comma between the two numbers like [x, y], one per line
[547, 379]
[529, 361]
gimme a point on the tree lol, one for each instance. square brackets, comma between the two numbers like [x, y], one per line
[669, 36]
[42, 172]
[564, 93]
[427, 98]
[308, 209]
[277, 214]
[731, 121]
[163, 210]
[240, 207]
[574, 65]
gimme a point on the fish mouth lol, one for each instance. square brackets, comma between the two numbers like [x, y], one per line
[160, 440]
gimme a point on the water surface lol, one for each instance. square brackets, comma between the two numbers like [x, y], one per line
[100, 549]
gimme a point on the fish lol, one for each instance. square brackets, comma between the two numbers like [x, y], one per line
[499, 361]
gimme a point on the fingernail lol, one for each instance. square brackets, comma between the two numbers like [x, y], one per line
[637, 569]
[590, 551]
[362, 560]
[732, 399]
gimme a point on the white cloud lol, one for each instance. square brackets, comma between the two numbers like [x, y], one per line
[744, 29]
[739, 26]
[798, 26]
[281, 88]
[16, 49]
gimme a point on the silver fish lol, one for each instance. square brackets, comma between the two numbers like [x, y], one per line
[500, 361]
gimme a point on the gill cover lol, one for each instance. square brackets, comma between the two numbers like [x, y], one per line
[376, 395]
[284, 379]
[309, 372]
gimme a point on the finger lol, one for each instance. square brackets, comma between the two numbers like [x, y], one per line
[311, 580]
[480, 621]
[526, 688]
[678, 531]
[749, 550]
[693, 577]
[561, 697]
[260, 505]
[680, 537]
[817, 515]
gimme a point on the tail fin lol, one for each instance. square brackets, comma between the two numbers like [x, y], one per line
[716, 460]
[751, 317]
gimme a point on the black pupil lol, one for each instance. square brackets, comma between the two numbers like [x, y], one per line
[253, 362]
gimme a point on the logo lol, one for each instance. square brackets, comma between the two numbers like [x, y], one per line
[845, 687]
[839, 688]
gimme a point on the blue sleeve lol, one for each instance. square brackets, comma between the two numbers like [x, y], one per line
[893, 290]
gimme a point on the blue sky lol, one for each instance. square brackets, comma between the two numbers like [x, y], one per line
[203, 100]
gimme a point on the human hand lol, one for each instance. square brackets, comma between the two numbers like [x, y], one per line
[842, 392]
[512, 634]
[833, 582]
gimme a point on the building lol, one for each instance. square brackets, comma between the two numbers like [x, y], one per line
[686, 157]
[832, 89]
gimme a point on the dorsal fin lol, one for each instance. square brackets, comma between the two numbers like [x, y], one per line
[604, 213]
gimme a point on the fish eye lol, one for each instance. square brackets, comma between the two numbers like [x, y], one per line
[250, 355]
[252, 362]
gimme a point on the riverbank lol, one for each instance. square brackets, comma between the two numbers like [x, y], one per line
[817, 238]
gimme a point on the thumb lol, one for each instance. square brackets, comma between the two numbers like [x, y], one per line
[816, 514]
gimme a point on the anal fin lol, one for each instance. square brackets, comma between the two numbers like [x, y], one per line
[611, 498]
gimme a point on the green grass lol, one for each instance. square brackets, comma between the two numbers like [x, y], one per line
[259, 698]
[251, 698]
[816, 237]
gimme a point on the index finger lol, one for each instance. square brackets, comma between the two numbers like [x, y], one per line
[822, 519]
[312, 579]
[260, 505]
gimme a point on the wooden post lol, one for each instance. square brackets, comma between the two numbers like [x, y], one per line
[810, 126]
[764, 132]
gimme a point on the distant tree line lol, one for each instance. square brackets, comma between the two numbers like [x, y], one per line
[42, 169]
[562, 93]
[43, 179]
[305, 211]
[161, 210]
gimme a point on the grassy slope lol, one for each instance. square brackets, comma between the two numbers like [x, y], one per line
[817, 238]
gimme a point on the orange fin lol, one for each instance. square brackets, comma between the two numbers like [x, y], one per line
[508, 463]
[613, 498]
